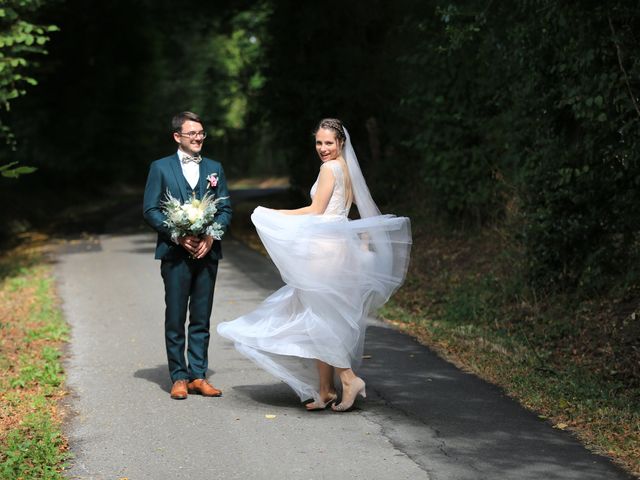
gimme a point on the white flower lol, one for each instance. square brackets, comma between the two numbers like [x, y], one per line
[193, 213]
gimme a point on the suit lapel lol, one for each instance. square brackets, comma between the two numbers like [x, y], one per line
[203, 179]
[180, 180]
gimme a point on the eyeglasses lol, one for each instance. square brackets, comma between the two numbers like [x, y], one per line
[201, 133]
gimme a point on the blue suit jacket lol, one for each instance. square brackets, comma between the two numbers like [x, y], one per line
[166, 175]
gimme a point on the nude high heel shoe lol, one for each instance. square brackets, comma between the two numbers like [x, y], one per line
[356, 388]
[320, 405]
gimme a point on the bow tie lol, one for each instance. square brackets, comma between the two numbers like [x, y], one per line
[187, 159]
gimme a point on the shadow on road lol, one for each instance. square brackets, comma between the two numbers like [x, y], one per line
[275, 395]
[158, 375]
[449, 420]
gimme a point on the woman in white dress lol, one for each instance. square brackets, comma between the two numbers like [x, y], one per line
[337, 272]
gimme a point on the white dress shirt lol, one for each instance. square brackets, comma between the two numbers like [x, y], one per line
[190, 170]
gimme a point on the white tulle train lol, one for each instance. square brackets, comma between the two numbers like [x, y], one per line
[337, 272]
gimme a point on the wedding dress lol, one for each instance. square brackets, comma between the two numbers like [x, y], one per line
[337, 272]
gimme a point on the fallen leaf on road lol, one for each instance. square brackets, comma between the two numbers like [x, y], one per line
[366, 357]
[269, 416]
[560, 426]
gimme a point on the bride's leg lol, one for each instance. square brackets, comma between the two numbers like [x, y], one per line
[326, 388]
[352, 386]
[325, 373]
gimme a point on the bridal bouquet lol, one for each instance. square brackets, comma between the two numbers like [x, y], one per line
[194, 217]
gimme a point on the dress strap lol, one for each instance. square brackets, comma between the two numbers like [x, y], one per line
[335, 167]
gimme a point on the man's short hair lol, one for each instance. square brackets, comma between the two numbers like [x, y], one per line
[180, 118]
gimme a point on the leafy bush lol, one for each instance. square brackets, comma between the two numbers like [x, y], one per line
[19, 40]
[534, 105]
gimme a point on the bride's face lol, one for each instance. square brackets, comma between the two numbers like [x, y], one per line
[327, 145]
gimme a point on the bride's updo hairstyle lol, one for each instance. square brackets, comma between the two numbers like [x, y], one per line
[335, 126]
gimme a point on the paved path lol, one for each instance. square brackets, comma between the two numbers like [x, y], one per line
[423, 418]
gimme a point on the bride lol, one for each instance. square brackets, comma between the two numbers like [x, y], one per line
[337, 272]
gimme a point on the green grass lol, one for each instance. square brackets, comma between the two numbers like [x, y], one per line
[33, 451]
[31, 442]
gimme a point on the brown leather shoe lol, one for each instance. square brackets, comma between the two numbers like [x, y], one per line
[179, 390]
[204, 388]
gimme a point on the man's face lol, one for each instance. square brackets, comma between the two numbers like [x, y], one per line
[190, 138]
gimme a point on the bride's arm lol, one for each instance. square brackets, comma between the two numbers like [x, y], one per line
[326, 181]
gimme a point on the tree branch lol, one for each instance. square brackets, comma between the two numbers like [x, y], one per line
[624, 72]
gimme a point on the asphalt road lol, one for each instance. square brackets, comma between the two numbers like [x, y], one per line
[422, 419]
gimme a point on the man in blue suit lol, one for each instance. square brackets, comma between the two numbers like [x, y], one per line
[188, 264]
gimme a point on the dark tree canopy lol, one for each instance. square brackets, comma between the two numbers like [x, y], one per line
[523, 114]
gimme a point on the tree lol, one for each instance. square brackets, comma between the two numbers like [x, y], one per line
[19, 41]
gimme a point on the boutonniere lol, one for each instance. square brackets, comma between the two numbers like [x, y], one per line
[212, 180]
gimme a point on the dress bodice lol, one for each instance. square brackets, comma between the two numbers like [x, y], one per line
[338, 202]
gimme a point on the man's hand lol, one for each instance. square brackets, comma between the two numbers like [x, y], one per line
[190, 244]
[204, 247]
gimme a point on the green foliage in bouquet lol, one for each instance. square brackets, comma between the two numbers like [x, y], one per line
[194, 217]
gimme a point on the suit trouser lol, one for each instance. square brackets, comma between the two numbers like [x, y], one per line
[188, 285]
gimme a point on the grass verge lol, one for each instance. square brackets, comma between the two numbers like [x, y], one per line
[32, 334]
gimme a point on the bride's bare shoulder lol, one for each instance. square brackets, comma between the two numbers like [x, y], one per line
[330, 162]
[332, 165]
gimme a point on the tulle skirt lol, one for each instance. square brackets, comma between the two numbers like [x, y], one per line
[337, 273]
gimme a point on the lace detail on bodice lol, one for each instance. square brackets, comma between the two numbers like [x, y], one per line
[338, 202]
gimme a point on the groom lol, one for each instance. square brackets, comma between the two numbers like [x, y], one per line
[188, 264]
